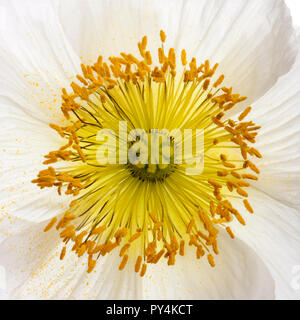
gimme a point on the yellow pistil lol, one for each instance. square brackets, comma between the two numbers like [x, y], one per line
[150, 211]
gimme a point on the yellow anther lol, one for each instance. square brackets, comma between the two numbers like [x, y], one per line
[253, 167]
[200, 252]
[123, 263]
[248, 206]
[229, 231]
[163, 36]
[219, 81]
[236, 175]
[91, 265]
[144, 269]
[249, 176]
[148, 58]
[152, 216]
[214, 183]
[144, 42]
[135, 236]
[242, 192]
[206, 84]
[63, 253]
[99, 230]
[211, 260]
[158, 256]
[222, 173]
[181, 248]
[183, 58]
[141, 49]
[121, 233]
[190, 226]
[229, 165]
[50, 224]
[138, 264]
[124, 249]
[171, 260]
[80, 153]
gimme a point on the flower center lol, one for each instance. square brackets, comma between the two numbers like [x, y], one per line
[151, 172]
[155, 165]
[154, 205]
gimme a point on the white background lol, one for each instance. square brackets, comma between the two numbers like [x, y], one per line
[295, 10]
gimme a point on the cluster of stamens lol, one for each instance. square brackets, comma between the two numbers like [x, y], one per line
[123, 90]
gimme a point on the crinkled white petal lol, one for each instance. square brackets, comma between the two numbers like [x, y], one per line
[36, 59]
[278, 113]
[24, 142]
[254, 41]
[273, 233]
[36, 62]
[34, 271]
[11, 225]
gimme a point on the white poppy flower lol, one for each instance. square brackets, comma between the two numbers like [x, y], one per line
[43, 44]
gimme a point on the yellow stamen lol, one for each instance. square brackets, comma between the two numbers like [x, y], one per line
[248, 206]
[138, 264]
[211, 260]
[163, 36]
[183, 58]
[245, 113]
[123, 263]
[50, 224]
[231, 234]
[63, 253]
[144, 269]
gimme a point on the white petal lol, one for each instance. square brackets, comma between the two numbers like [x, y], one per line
[273, 232]
[10, 225]
[238, 274]
[278, 113]
[253, 40]
[35, 58]
[24, 142]
[36, 62]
